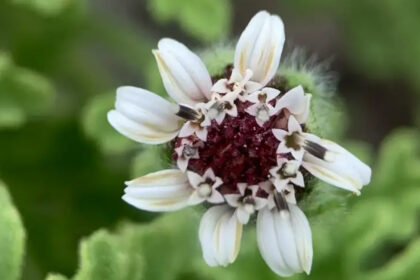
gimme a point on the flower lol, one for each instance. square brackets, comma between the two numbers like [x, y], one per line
[240, 143]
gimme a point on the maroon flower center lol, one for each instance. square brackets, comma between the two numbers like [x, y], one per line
[238, 150]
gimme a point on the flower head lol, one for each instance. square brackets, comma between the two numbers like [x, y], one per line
[241, 145]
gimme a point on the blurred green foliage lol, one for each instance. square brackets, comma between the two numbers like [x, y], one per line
[12, 238]
[60, 62]
[206, 20]
[23, 93]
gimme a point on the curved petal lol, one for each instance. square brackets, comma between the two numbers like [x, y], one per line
[285, 240]
[184, 75]
[297, 102]
[144, 116]
[166, 190]
[341, 169]
[138, 131]
[220, 236]
[260, 46]
[268, 244]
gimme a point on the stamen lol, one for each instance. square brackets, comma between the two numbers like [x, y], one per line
[189, 151]
[188, 113]
[280, 202]
[317, 150]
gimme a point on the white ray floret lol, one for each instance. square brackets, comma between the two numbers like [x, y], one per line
[285, 240]
[205, 187]
[220, 236]
[260, 46]
[166, 190]
[246, 202]
[144, 116]
[262, 109]
[322, 158]
[184, 75]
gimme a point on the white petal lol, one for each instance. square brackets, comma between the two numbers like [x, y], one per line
[298, 180]
[209, 174]
[220, 236]
[233, 199]
[260, 203]
[194, 179]
[253, 109]
[293, 125]
[202, 133]
[285, 240]
[144, 106]
[182, 163]
[254, 97]
[303, 116]
[293, 100]
[280, 134]
[144, 116]
[344, 170]
[303, 237]
[184, 75]
[186, 130]
[195, 198]
[139, 132]
[220, 86]
[271, 93]
[260, 46]
[251, 86]
[282, 149]
[268, 244]
[166, 190]
[242, 215]
[216, 197]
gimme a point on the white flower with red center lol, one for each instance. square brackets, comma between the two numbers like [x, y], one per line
[239, 146]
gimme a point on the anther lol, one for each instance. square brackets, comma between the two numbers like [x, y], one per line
[317, 150]
[188, 113]
[280, 202]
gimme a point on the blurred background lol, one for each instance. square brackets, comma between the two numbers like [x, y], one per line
[64, 166]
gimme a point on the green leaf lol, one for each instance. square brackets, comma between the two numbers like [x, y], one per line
[207, 20]
[399, 161]
[45, 7]
[96, 125]
[149, 160]
[12, 238]
[54, 276]
[23, 93]
[102, 258]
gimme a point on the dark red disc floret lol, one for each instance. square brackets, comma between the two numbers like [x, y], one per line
[238, 150]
